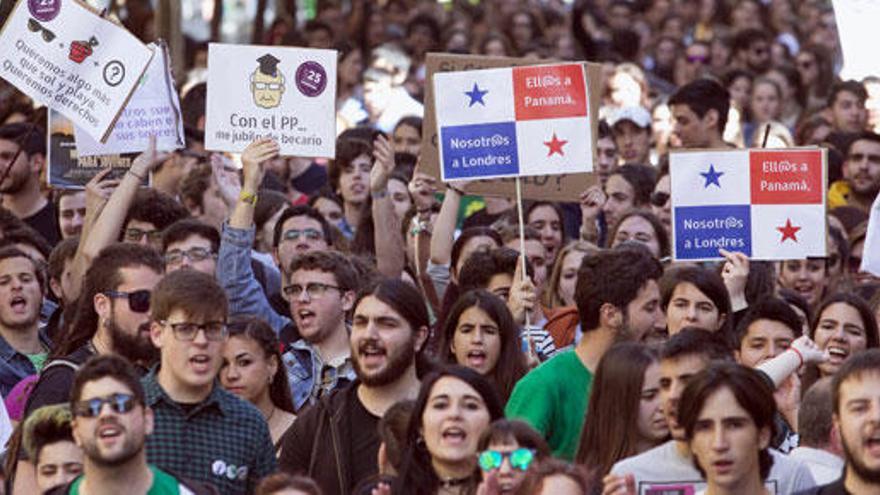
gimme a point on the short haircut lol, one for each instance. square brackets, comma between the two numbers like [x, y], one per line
[851, 86]
[331, 262]
[479, 269]
[773, 309]
[9, 252]
[392, 430]
[194, 185]
[193, 292]
[402, 297]
[45, 426]
[427, 21]
[155, 207]
[27, 235]
[468, 234]
[863, 136]
[347, 150]
[816, 414]
[302, 211]
[750, 390]
[182, 230]
[192, 105]
[867, 361]
[63, 252]
[107, 366]
[692, 341]
[641, 178]
[505, 431]
[274, 483]
[703, 95]
[613, 277]
[744, 39]
[29, 136]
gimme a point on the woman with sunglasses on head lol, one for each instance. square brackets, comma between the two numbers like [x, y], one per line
[625, 415]
[454, 408]
[480, 334]
[506, 452]
[253, 370]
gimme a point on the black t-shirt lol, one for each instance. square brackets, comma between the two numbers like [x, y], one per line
[364, 441]
[45, 222]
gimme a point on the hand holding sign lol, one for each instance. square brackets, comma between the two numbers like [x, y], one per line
[735, 274]
[252, 162]
[99, 189]
[148, 161]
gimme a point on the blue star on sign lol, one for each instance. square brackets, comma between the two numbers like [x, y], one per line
[711, 177]
[476, 95]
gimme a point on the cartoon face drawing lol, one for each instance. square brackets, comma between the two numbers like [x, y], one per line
[267, 83]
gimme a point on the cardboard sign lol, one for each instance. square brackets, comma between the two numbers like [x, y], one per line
[288, 94]
[856, 22]
[68, 170]
[871, 249]
[154, 109]
[62, 54]
[513, 122]
[767, 204]
[566, 187]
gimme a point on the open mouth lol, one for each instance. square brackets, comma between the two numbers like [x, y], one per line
[109, 431]
[305, 317]
[837, 353]
[453, 434]
[476, 358]
[18, 304]
[201, 363]
[371, 354]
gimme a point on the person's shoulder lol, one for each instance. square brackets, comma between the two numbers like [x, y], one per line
[647, 458]
[786, 462]
[237, 408]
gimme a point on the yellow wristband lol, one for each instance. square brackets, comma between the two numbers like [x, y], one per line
[247, 197]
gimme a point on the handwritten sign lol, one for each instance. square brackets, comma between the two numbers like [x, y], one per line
[767, 204]
[154, 109]
[288, 94]
[69, 170]
[565, 187]
[65, 56]
[513, 122]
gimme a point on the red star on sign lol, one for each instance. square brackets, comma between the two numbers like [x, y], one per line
[555, 145]
[789, 231]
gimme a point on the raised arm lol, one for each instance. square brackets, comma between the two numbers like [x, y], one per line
[252, 167]
[444, 227]
[390, 248]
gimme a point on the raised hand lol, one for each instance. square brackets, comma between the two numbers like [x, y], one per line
[252, 160]
[383, 154]
[148, 161]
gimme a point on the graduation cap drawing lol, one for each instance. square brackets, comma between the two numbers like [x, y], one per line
[268, 65]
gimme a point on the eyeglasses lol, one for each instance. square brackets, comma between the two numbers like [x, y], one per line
[659, 198]
[135, 235]
[519, 459]
[138, 301]
[294, 234]
[35, 26]
[119, 403]
[176, 256]
[185, 331]
[313, 289]
[272, 86]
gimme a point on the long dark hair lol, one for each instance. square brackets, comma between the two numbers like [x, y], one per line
[417, 474]
[610, 431]
[511, 364]
[261, 333]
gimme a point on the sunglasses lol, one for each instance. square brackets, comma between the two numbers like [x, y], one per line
[519, 459]
[659, 198]
[697, 59]
[35, 26]
[138, 301]
[119, 403]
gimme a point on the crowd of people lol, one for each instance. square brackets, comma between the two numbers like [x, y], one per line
[355, 326]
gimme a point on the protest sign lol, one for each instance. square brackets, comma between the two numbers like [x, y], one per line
[856, 22]
[68, 170]
[871, 248]
[62, 54]
[563, 187]
[288, 94]
[153, 109]
[767, 204]
[513, 122]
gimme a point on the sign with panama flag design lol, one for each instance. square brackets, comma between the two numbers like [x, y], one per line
[767, 204]
[513, 122]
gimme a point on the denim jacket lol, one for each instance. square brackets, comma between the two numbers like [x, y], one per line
[14, 366]
[304, 367]
[236, 275]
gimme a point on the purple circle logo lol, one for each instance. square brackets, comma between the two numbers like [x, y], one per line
[311, 78]
[44, 10]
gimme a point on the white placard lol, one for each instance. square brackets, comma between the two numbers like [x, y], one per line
[871, 249]
[288, 94]
[65, 56]
[857, 23]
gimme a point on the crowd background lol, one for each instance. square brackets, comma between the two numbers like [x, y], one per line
[277, 325]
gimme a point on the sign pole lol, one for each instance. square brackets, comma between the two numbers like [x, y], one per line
[522, 257]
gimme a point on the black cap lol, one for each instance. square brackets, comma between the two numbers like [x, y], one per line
[268, 65]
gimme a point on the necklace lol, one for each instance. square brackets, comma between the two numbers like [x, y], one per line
[269, 418]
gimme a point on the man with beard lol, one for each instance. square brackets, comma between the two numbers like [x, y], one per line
[20, 188]
[617, 300]
[202, 431]
[335, 442]
[855, 393]
[861, 170]
[112, 438]
[23, 348]
[112, 316]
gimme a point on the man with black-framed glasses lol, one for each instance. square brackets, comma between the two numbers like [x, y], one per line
[111, 423]
[191, 244]
[201, 431]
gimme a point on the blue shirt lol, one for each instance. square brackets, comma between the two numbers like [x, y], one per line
[15, 366]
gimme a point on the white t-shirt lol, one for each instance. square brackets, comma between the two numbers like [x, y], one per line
[662, 471]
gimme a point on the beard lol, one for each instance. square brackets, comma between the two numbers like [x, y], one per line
[14, 183]
[130, 450]
[135, 348]
[398, 362]
[852, 462]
